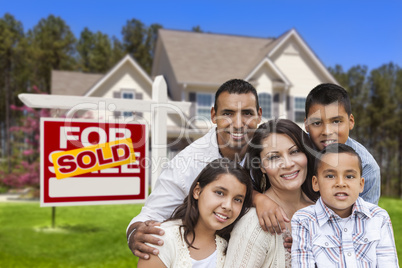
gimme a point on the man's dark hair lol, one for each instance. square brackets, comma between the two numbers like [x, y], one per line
[326, 94]
[336, 148]
[236, 86]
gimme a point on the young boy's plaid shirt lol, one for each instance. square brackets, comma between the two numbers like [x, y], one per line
[322, 238]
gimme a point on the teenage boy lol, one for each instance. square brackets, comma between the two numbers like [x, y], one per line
[328, 120]
[341, 229]
[236, 114]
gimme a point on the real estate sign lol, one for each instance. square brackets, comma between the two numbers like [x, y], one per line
[86, 162]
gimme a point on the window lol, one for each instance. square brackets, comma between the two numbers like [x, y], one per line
[127, 95]
[265, 104]
[204, 103]
[299, 109]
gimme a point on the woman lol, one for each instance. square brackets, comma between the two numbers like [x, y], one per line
[196, 234]
[281, 163]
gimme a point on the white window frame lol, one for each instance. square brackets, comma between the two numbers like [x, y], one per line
[206, 107]
[264, 111]
[127, 91]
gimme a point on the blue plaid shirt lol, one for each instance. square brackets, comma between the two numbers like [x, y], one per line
[322, 238]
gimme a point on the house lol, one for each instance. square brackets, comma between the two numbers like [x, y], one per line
[283, 69]
[194, 65]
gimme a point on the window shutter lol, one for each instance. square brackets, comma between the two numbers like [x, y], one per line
[192, 97]
[276, 105]
[116, 95]
[139, 96]
[290, 107]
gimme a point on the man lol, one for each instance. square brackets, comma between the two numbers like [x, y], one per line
[236, 113]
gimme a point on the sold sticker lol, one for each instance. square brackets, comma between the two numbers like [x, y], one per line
[93, 158]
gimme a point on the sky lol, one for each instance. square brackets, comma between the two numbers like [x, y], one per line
[345, 32]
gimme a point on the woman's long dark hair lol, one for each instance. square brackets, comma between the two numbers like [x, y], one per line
[299, 137]
[188, 211]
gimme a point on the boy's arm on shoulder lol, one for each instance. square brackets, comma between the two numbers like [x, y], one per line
[302, 254]
[371, 172]
[372, 184]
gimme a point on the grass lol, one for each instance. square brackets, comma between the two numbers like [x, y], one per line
[89, 236]
[85, 236]
[394, 209]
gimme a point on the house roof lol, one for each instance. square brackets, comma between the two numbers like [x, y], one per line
[72, 83]
[200, 57]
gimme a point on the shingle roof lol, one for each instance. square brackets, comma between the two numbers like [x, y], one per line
[199, 57]
[72, 83]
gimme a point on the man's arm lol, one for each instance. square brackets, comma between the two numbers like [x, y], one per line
[169, 192]
[139, 233]
[272, 218]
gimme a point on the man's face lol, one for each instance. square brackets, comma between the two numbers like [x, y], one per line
[339, 181]
[236, 119]
[328, 124]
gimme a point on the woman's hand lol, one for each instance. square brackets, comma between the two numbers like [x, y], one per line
[272, 217]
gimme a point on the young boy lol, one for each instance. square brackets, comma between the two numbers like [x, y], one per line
[341, 229]
[328, 120]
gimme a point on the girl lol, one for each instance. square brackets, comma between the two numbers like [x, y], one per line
[196, 235]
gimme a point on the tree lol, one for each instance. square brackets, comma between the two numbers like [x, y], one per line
[95, 52]
[26, 153]
[14, 72]
[84, 47]
[139, 42]
[197, 29]
[383, 135]
[117, 50]
[53, 47]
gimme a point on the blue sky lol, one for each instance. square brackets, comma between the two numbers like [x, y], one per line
[341, 32]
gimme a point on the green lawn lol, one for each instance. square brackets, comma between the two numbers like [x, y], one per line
[88, 236]
[85, 236]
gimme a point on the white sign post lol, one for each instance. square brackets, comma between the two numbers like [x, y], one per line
[158, 107]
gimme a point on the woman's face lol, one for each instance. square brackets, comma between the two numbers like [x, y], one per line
[283, 162]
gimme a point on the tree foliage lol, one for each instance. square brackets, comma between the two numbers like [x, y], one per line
[25, 158]
[95, 50]
[53, 47]
[139, 41]
[13, 70]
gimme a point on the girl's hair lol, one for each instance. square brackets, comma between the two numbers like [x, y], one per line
[188, 211]
[300, 138]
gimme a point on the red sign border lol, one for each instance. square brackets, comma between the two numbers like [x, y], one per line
[88, 200]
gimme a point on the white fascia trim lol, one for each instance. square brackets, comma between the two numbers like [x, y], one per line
[274, 67]
[114, 69]
[306, 48]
